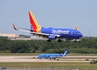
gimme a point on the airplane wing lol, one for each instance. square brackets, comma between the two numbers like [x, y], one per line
[31, 31]
[20, 29]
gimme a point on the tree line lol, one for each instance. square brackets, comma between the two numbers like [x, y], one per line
[86, 45]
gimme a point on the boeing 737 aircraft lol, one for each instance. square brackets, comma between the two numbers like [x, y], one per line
[51, 33]
[53, 56]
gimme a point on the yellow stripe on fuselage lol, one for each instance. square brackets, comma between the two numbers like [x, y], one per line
[36, 23]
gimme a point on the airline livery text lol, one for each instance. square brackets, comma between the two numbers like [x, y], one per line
[60, 32]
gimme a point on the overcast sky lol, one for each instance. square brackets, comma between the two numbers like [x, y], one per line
[49, 13]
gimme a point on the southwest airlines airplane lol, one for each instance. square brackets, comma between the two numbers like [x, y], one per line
[53, 56]
[51, 33]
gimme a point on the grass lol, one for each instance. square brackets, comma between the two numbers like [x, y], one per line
[67, 65]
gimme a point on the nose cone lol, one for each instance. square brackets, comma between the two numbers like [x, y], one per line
[81, 35]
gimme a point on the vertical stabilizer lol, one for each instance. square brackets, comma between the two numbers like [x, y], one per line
[65, 53]
[34, 23]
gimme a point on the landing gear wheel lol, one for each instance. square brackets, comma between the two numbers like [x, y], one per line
[75, 41]
[59, 40]
[54, 58]
[48, 40]
[57, 59]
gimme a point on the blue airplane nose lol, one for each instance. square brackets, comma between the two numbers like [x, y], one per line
[81, 34]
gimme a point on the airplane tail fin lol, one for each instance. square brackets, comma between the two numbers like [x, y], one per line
[36, 27]
[65, 53]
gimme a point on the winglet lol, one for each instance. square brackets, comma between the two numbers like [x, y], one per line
[14, 26]
[76, 27]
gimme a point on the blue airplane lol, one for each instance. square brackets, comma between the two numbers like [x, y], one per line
[53, 56]
[51, 33]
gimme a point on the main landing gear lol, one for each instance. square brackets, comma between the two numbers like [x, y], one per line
[59, 40]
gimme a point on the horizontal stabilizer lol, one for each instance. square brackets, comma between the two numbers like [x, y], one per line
[22, 29]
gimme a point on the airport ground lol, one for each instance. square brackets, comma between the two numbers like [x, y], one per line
[69, 62]
[34, 59]
[29, 57]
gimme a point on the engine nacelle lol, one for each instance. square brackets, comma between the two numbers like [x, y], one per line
[52, 36]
